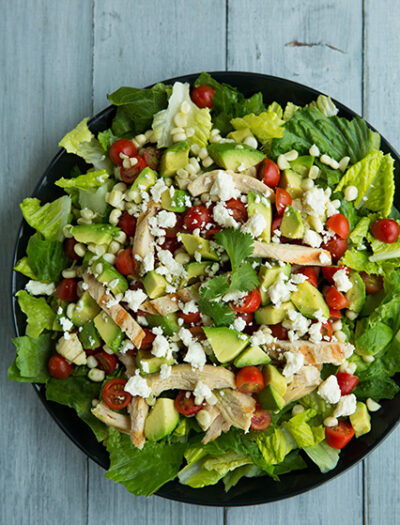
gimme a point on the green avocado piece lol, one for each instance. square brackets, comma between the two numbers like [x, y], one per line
[267, 276]
[154, 284]
[308, 300]
[162, 420]
[176, 202]
[292, 225]
[110, 276]
[110, 332]
[145, 180]
[274, 378]
[272, 314]
[89, 336]
[239, 135]
[88, 259]
[357, 294]
[225, 342]
[94, 233]
[232, 156]
[302, 164]
[270, 399]
[85, 310]
[292, 183]
[193, 243]
[168, 322]
[259, 204]
[252, 356]
[361, 420]
[194, 271]
[149, 364]
[174, 158]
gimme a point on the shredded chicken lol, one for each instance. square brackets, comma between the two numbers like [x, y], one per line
[143, 242]
[304, 382]
[111, 418]
[218, 426]
[71, 348]
[236, 408]
[169, 303]
[138, 410]
[117, 313]
[206, 416]
[130, 363]
[292, 253]
[314, 353]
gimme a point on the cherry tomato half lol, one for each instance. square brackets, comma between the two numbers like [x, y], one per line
[147, 340]
[347, 382]
[311, 275]
[385, 230]
[329, 271]
[59, 367]
[282, 199]
[209, 234]
[127, 223]
[191, 318]
[125, 263]
[129, 175]
[238, 210]
[67, 290]
[269, 173]
[261, 418]
[335, 299]
[279, 331]
[339, 224]
[339, 436]
[202, 96]
[249, 380]
[185, 405]
[151, 156]
[336, 246]
[69, 249]
[276, 223]
[114, 394]
[250, 303]
[334, 314]
[124, 146]
[107, 362]
[196, 217]
[327, 330]
[247, 317]
[373, 283]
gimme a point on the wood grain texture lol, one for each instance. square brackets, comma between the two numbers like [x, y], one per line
[381, 100]
[45, 84]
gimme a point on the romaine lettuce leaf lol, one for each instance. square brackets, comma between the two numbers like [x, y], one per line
[304, 434]
[23, 267]
[276, 445]
[39, 314]
[264, 126]
[94, 199]
[197, 119]
[106, 138]
[46, 258]
[324, 456]
[325, 105]
[375, 380]
[233, 477]
[92, 179]
[359, 260]
[30, 364]
[49, 219]
[360, 231]
[383, 251]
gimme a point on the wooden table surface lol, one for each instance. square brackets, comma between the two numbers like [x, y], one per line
[58, 59]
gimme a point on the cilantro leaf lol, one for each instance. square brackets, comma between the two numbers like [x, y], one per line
[244, 278]
[215, 287]
[238, 245]
[220, 313]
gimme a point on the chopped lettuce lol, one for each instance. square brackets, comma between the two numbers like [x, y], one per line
[197, 119]
[373, 176]
[383, 251]
[92, 179]
[324, 456]
[375, 380]
[325, 105]
[106, 138]
[47, 259]
[264, 126]
[275, 445]
[49, 219]
[94, 199]
[83, 143]
[304, 434]
[39, 314]
[23, 267]
[30, 364]
[289, 111]
[359, 233]
[233, 477]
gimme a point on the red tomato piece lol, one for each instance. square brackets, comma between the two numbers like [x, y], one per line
[347, 382]
[282, 199]
[124, 146]
[127, 223]
[203, 95]
[125, 263]
[329, 271]
[107, 362]
[385, 230]
[339, 224]
[269, 173]
[311, 275]
[327, 330]
[334, 314]
[373, 283]
[59, 367]
[276, 223]
[279, 331]
[191, 318]
[151, 156]
[261, 418]
[247, 317]
[238, 210]
[69, 249]
[249, 380]
[209, 234]
[335, 299]
[196, 217]
[171, 244]
[250, 303]
[339, 436]
[114, 394]
[67, 290]
[336, 246]
[185, 405]
[173, 232]
[147, 340]
[129, 175]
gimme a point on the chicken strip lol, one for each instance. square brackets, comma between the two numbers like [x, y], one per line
[206, 416]
[169, 303]
[111, 418]
[138, 410]
[292, 253]
[303, 383]
[236, 408]
[218, 426]
[143, 240]
[314, 353]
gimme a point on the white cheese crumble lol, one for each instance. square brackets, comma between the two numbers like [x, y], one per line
[319, 316]
[314, 201]
[158, 189]
[135, 298]
[145, 366]
[38, 288]
[224, 187]
[329, 390]
[166, 219]
[342, 282]
[263, 336]
[314, 332]
[223, 217]
[137, 386]
[125, 346]
[235, 296]
[165, 371]
[255, 225]
[324, 258]
[201, 392]
[160, 346]
[238, 324]
[294, 361]
[312, 239]
[297, 324]
[195, 356]
[189, 308]
[346, 407]
[65, 323]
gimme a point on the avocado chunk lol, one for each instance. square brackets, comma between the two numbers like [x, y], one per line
[94, 233]
[154, 284]
[85, 310]
[175, 202]
[308, 300]
[225, 342]
[292, 183]
[193, 243]
[110, 276]
[270, 399]
[110, 332]
[252, 356]
[162, 420]
[302, 164]
[357, 294]
[145, 180]
[232, 156]
[149, 364]
[239, 135]
[194, 271]
[89, 336]
[272, 314]
[361, 420]
[259, 204]
[274, 378]
[267, 276]
[88, 259]
[168, 323]
[174, 158]
[292, 225]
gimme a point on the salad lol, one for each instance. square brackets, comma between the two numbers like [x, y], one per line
[216, 289]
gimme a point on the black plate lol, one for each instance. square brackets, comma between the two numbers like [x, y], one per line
[248, 491]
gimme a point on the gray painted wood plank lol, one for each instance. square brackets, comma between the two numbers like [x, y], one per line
[381, 95]
[308, 42]
[45, 60]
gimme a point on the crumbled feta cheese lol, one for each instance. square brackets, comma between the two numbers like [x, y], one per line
[235, 296]
[38, 288]
[238, 324]
[329, 390]
[65, 323]
[298, 278]
[346, 407]
[189, 308]
[294, 361]
[201, 391]
[195, 356]
[141, 319]
[263, 336]
[342, 282]
[314, 332]
[223, 216]
[165, 371]
[312, 239]
[166, 219]
[255, 225]
[137, 386]
[172, 270]
[125, 346]
[324, 258]
[158, 189]
[279, 292]
[160, 346]
[144, 365]
[185, 336]
[314, 201]
[135, 298]
[297, 323]
[224, 187]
